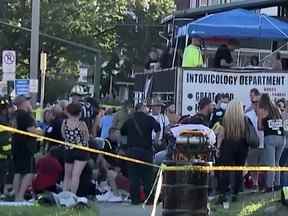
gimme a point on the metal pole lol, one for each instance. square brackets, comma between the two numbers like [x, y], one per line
[34, 51]
[97, 76]
[43, 67]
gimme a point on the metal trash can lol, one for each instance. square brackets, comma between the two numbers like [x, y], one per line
[185, 193]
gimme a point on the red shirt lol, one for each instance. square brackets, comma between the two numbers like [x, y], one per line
[48, 173]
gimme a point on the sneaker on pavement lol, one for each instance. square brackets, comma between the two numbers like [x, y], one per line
[104, 197]
[115, 199]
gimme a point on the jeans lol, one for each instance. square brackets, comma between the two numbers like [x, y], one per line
[273, 148]
[160, 157]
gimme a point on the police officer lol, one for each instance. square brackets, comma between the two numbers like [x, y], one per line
[88, 105]
[5, 144]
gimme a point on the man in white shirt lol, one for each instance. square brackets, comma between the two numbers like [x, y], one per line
[161, 118]
[255, 156]
[254, 93]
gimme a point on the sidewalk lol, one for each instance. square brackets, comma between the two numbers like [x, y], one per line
[125, 209]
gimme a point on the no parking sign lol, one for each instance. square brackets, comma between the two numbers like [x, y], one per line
[9, 64]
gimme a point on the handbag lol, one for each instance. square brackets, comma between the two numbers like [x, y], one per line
[251, 135]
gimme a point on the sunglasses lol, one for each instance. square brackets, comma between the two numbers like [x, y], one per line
[254, 102]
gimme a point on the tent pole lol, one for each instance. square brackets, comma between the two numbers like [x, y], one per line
[272, 52]
[238, 57]
[276, 27]
[175, 52]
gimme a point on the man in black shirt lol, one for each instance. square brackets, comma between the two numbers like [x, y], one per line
[23, 147]
[138, 130]
[203, 116]
[218, 114]
[223, 57]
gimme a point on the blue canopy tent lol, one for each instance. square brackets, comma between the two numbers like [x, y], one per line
[238, 23]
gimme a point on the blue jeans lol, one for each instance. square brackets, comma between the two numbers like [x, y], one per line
[273, 148]
[160, 157]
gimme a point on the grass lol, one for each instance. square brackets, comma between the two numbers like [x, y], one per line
[46, 211]
[252, 204]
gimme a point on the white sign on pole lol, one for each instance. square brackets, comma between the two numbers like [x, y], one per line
[200, 83]
[83, 75]
[33, 86]
[9, 64]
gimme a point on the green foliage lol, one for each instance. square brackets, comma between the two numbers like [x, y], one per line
[101, 24]
[49, 211]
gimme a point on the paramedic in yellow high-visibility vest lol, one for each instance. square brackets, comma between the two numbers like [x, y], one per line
[192, 56]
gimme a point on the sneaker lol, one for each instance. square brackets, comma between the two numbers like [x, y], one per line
[115, 199]
[103, 186]
[104, 197]
[221, 199]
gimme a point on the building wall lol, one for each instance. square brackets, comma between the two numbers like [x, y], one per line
[186, 4]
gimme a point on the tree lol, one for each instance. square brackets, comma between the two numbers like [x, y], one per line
[100, 24]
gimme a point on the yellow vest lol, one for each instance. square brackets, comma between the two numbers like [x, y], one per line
[38, 114]
[192, 57]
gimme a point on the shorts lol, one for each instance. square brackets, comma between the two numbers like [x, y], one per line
[72, 155]
[24, 164]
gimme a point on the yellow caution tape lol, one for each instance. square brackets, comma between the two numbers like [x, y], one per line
[208, 168]
[83, 148]
[225, 168]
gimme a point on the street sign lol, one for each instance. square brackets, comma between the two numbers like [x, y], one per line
[83, 75]
[33, 86]
[22, 87]
[9, 64]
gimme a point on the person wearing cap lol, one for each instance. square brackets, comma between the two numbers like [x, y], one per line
[23, 147]
[203, 115]
[5, 144]
[88, 106]
[162, 119]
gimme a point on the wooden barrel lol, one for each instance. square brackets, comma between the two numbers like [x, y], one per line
[185, 193]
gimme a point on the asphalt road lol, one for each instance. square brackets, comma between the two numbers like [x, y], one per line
[125, 209]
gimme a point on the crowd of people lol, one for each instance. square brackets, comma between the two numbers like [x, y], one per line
[140, 133]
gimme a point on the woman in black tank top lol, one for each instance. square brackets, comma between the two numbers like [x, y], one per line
[75, 132]
[270, 121]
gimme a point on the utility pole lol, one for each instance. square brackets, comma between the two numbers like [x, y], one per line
[34, 50]
[97, 75]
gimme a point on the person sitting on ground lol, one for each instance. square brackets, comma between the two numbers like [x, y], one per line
[48, 173]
